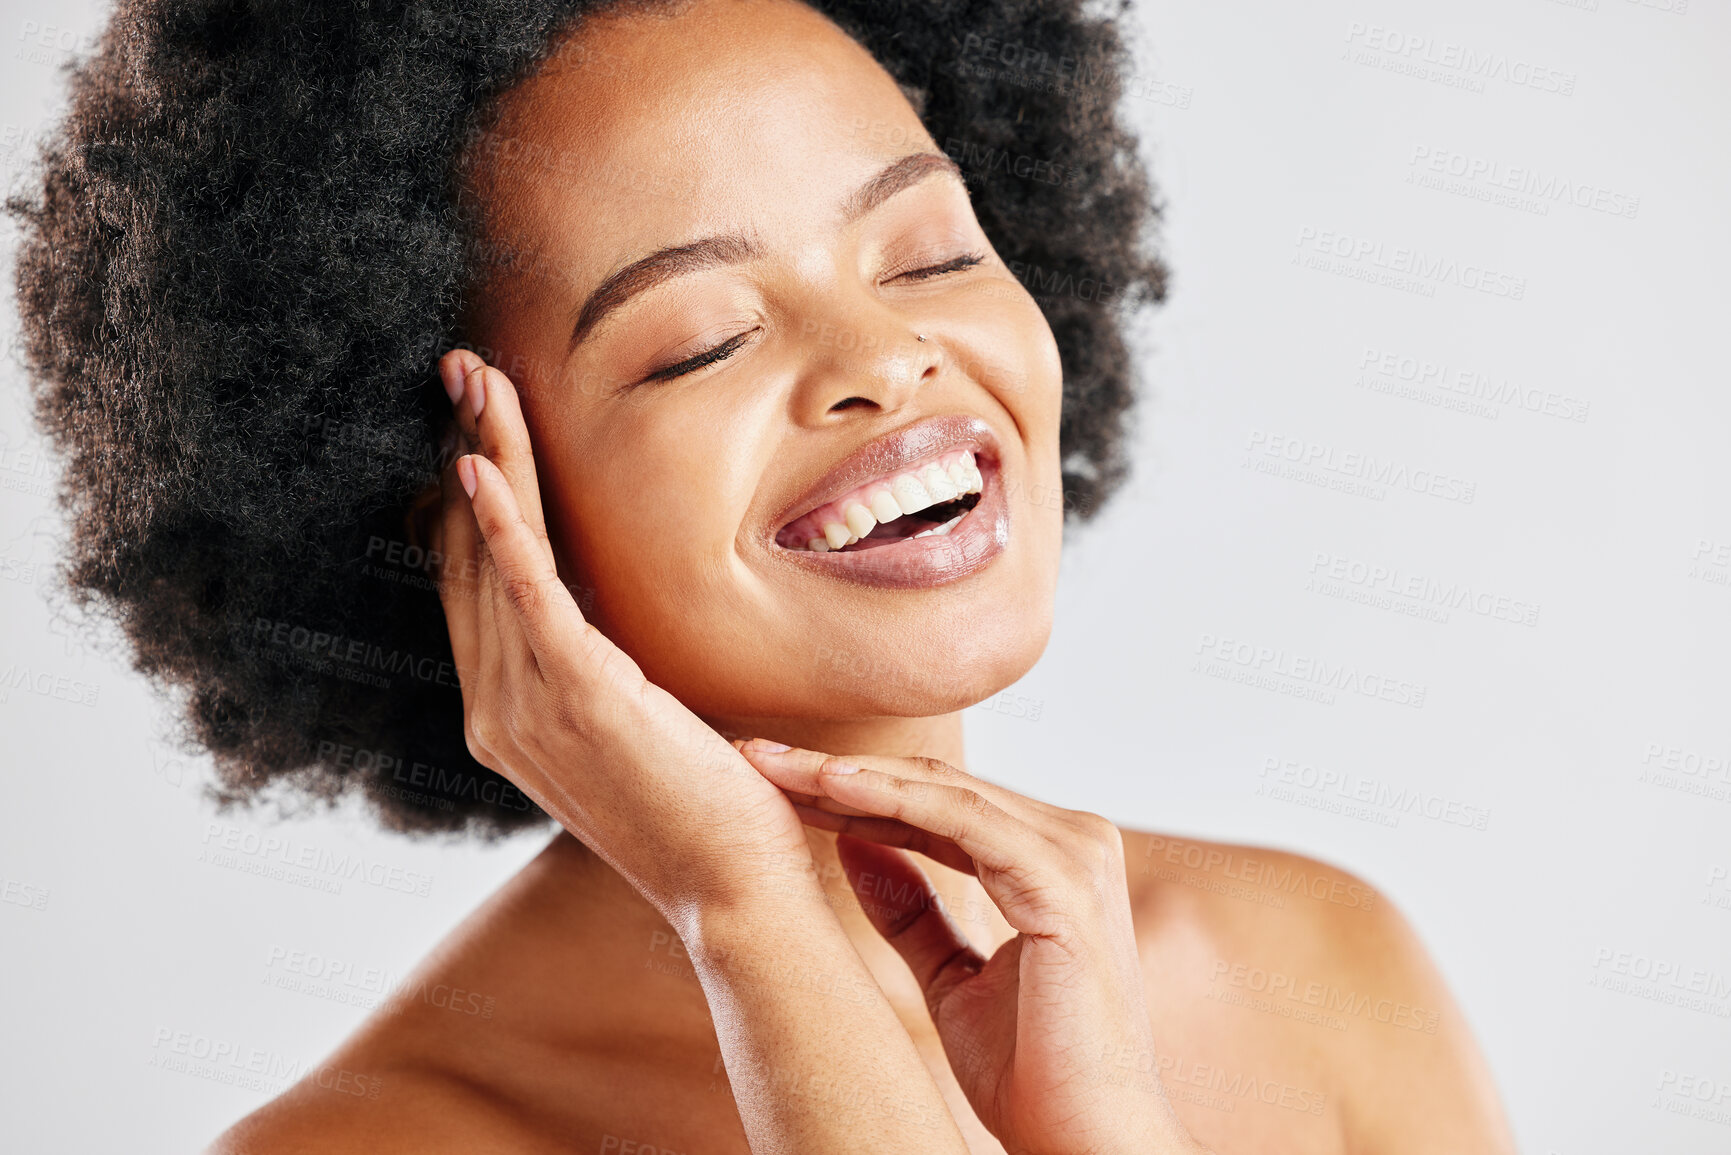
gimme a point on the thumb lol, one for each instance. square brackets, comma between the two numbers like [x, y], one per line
[899, 900]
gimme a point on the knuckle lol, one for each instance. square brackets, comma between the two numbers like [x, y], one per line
[475, 735]
[489, 521]
[523, 592]
[1091, 848]
[975, 804]
[514, 723]
[908, 789]
[1101, 831]
[938, 769]
[568, 715]
[495, 522]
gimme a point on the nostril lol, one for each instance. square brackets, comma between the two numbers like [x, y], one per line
[848, 403]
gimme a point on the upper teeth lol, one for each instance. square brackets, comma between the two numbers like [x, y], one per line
[897, 496]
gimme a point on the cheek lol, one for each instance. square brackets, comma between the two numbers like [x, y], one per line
[1043, 395]
[1008, 347]
[654, 510]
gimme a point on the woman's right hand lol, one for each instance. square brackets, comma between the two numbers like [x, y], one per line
[550, 703]
[668, 803]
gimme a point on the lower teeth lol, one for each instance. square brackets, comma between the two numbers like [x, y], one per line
[941, 530]
[819, 545]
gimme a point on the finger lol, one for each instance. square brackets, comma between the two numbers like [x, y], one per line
[458, 544]
[798, 770]
[503, 645]
[944, 803]
[496, 410]
[800, 774]
[886, 832]
[903, 906]
[996, 840]
[454, 368]
[525, 577]
[793, 769]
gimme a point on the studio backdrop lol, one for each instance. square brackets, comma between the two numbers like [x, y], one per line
[1424, 570]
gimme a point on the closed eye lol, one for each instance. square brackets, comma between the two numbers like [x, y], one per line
[954, 265]
[720, 352]
[733, 345]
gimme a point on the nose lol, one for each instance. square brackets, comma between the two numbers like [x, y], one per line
[880, 367]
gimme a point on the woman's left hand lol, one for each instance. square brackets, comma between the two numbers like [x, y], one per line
[1036, 1034]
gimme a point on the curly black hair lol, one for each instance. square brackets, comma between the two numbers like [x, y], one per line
[248, 248]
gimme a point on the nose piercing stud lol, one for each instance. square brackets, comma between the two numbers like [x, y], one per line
[919, 336]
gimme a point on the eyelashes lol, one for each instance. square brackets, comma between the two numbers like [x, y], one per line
[734, 344]
[719, 352]
[954, 265]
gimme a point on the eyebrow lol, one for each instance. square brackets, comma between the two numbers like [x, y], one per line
[736, 248]
[898, 175]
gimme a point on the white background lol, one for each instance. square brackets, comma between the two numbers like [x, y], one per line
[1266, 124]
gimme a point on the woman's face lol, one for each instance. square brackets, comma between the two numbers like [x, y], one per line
[700, 417]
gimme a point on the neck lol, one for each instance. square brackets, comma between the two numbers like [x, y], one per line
[938, 737]
[575, 909]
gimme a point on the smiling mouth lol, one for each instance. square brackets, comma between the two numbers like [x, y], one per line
[928, 499]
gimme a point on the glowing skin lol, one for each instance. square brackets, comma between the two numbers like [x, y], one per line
[714, 976]
[694, 472]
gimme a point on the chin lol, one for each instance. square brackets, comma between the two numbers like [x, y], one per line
[916, 669]
[974, 665]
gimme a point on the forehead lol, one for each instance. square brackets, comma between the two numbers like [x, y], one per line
[646, 129]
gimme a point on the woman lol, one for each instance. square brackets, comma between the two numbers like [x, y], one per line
[759, 483]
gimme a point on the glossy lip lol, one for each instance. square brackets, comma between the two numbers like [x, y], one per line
[912, 563]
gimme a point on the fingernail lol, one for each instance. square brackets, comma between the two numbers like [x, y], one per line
[466, 474]
[765, 746]
[477, 389]
[834, 766]
[451, 376]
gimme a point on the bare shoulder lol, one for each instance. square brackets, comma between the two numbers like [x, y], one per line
[1289, 955]
[335, 1111]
